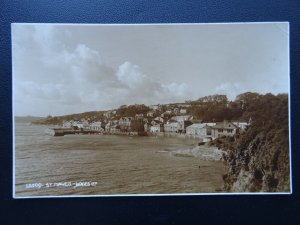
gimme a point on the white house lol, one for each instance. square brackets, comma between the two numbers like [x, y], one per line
[107, 126]
[67, 124]
[241, 125]
[147, 127]
[173, 127]
[201, 130]
[155, 128]
[125, 121]
[85, 124]
[182, 118]
[78, 124]
[182, 111]
[150, 114]
[139, 116]
[224, 129]
[115, 129]
[96, 126]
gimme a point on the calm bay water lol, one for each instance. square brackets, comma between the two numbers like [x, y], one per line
[107, 164]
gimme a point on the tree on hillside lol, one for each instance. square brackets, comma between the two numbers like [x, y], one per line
[214, 99]
[245, 99]
[132, 110]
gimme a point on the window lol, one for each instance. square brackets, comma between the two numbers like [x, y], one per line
[229, 130]
[220, 130]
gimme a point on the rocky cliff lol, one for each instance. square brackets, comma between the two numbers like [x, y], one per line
[258, 159]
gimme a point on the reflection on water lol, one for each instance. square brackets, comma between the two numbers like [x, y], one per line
[116, 164]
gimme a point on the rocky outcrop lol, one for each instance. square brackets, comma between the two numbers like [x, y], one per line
[258, 159]
[262, 166]
[201, 152]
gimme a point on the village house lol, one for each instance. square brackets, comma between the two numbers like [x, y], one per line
[183, 121]
[85, 124]
[157, 128]
[241, 125]
[172, 127]
[182, 118]
[150, 114]
[128, 124]
[96, 126]
[224, 129]
[67, 124]
[139, 116]
[107, 126]
[183, 111]
[125, 123]
[200, 130]
[114, 129]
[78, 124]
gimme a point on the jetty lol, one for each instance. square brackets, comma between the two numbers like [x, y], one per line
[66, 131]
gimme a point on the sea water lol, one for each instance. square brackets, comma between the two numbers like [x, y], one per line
[107, 165]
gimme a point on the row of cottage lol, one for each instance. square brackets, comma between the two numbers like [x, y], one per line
[191, 128]
[177, 124]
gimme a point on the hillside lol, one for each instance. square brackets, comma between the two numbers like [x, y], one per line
[58, 120]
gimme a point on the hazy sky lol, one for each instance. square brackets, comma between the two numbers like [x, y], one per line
[64, 69]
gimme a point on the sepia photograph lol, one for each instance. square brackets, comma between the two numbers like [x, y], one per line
[105, 110]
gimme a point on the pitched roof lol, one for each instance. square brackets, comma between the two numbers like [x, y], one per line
[197, 125]
[200, 125]
[225, 125]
